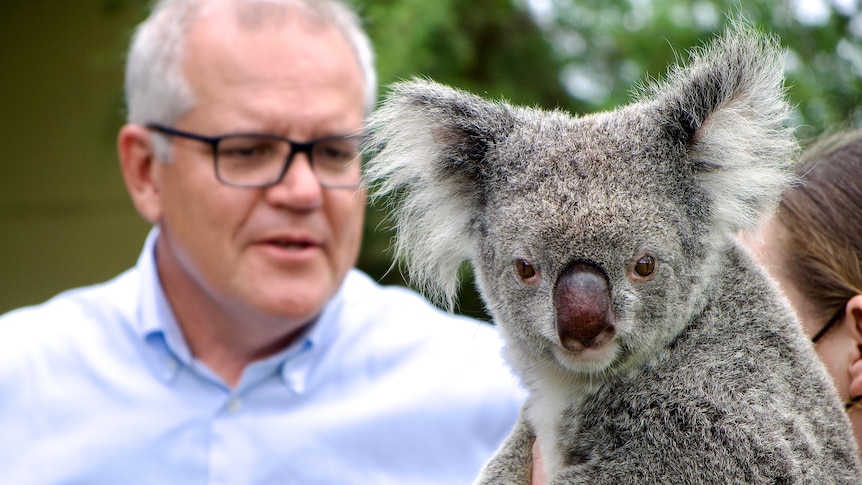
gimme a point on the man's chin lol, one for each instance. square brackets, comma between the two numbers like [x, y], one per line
[297, 303]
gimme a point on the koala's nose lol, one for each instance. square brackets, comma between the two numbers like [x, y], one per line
[582, 299]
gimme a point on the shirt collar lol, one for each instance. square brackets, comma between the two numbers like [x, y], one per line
[297, 366]
[157, 325]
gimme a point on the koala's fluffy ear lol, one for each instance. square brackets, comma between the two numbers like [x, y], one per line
[430, 145]
[728, 107]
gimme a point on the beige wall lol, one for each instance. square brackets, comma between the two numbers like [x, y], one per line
[65, 219]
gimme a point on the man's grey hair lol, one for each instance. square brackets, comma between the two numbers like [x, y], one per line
[156, 88]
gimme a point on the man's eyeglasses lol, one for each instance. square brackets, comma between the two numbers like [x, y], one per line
[254, 160]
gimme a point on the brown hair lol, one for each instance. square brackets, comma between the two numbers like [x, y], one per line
[819, 224]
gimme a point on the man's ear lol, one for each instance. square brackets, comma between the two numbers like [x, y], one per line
[853, 320]
[137, 162]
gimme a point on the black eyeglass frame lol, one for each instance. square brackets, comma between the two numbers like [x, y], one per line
[828, 325]
[295, 147]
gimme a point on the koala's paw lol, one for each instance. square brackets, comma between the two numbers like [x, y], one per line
[513, 462]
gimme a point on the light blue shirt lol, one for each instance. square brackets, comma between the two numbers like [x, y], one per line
[97, 386]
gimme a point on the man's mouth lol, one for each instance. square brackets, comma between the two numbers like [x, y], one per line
[292, 244]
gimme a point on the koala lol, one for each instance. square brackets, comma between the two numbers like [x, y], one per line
[654, 350]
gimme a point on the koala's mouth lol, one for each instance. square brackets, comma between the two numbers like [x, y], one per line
[588, 359]
[585, 344]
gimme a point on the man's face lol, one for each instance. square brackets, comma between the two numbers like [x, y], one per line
[281, 251]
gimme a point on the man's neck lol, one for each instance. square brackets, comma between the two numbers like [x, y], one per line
[225, 335]
[227, 345]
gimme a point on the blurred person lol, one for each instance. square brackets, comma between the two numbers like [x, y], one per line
[243, 347]
[812, 247]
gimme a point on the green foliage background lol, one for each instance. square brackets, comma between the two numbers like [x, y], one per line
[65, 219]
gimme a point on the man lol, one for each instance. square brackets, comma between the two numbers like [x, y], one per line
[243, 348]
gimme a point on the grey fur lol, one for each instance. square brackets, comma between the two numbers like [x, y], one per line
[704, 375]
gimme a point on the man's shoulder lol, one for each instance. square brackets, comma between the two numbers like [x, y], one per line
[398, 322]
[400, 312]
[397, 302]
[75, 311]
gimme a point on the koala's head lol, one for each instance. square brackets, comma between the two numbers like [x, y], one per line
[594, 239]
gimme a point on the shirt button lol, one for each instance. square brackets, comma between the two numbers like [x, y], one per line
[234, 405]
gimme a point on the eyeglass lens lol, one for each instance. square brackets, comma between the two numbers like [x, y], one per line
[259, 160]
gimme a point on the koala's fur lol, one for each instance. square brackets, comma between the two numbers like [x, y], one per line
[694, 372]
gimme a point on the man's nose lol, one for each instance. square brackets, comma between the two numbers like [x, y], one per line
[299, 188]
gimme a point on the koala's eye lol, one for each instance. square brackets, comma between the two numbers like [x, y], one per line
[643, 268]
[526, 270]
